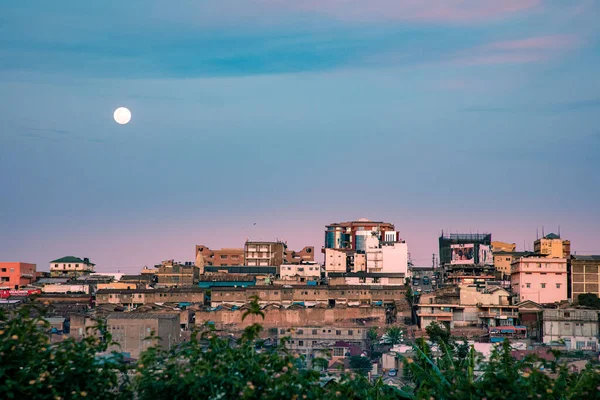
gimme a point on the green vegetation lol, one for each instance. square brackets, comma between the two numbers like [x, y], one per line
[360, 364]
[589, 300]
[393, 335]
[208, 367]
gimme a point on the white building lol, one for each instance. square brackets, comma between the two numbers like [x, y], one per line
[577, 328]
[71, 267]
[335, 260]
[307, 271]
[66, 288]
[387, 256]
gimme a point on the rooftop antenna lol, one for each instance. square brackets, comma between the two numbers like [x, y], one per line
[543, 235]
[537, 233]
[559, 231]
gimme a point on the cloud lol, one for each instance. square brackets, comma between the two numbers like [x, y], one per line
[519, 51]
[453, 11]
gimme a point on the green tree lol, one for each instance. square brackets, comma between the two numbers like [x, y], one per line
[589, 300]
[438, 333]
[360, 364]
[393, 335]
[373, 338]
[31, 367]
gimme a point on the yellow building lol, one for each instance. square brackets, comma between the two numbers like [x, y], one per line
[503, 246]
[552, 246]
[503, 260]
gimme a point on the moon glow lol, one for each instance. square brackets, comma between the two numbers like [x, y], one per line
[122, 115]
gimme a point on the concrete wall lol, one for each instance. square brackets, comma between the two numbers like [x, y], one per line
[571, 326]
[335, 260]
[395, 258]
[57, 288]
[542, 280]
[275, 318]
[16, 274]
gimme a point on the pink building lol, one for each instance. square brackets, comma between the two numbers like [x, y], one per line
[538, 279]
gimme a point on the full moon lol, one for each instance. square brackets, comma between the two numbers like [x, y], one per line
[122, 115]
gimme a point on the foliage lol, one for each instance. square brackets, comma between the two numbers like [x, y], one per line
[360, 364]
[31, 367]
[393, 335]
[589, 300]
[372, 338]
[438, 333]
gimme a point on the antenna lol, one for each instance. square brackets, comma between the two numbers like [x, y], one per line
[543, 235]
[537, 234]
[559, 231]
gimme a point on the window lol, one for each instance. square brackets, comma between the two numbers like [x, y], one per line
[338, 352]
[301, 343]
[314, 343]
[300, 331]
[235, 257]
[314, 331]
[338, 333]
[282, 331]
[223, 256]
[350, 332]
[558, 285]
[543, 285]
[528, 285]
[579, 345]
[567, 315]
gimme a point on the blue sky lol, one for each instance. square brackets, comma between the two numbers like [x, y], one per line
[470, 116]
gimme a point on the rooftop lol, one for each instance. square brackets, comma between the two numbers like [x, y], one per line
[142, 316]
[586, 257]
[71, 259]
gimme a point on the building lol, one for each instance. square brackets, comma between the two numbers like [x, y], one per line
[552, 246]
[307, 254]
[346, 236]
[503, 246]
[504, 259]
[577, 328]
[467, 254]
[71, 267]
[467, 306]
[226, 280]
[323, 341]
[134, 298]
[264, 253]
[66, 288]
[584, 274]
[366, 278]
[300, 273]
[336, 260]
[13, 275]
[224, 256]
[171, 273]
[539, 279]
[132, 331]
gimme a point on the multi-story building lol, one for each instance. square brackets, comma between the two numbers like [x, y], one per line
[464, 306]
[300, 273]
[16, 274]
[584, 275]
[336, 260]
[466, 254]
[539, 279]
[264, 253]
[320, 341]
[577, 328]
[307, 254]
[71, 267]
[134, 298]
[346, 236]
[225, 256]
[171, 273]
[552, 246]
[132, 331]
[504, 259]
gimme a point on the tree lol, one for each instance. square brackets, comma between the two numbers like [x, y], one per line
[589, 300]
[360, 364]
[372, 337]
[438, 333]
[393, 335]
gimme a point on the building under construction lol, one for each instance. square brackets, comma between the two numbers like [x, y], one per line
[466, 258]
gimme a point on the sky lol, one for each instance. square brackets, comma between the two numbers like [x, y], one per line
[268, 119]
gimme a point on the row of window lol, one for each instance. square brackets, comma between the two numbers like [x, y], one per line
[542, 285]
[338, 332]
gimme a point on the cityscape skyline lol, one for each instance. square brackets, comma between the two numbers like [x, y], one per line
[472, 115]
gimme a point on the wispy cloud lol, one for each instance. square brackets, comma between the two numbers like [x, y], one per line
[519, 51]
[567, 106]
[411, 10]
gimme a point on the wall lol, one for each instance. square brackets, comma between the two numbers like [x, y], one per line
[395, 258]
[335, 260]
[585, 277]
[274, 318]
[130, 332]
[571, 326]
[542, 280]
[56, 288]
[16, 274]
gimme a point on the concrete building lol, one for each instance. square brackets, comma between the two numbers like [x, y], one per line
[578, 328]
[541, 280]
[504, 259]
[71, 267]
[343, 235]
[552, 246]
[307, 254]
[134, 298]
[264, 253]
[584, 274]
[132, 331]
[13, 275]
[465, 306]
[336, 260]
[66, 288]
[224, 256]
[301, 273]
[366, 278]
[318, 341]
[467, 254]
[171, 273]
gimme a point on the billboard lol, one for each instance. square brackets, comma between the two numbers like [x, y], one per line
[463, 253]
[485, 255]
